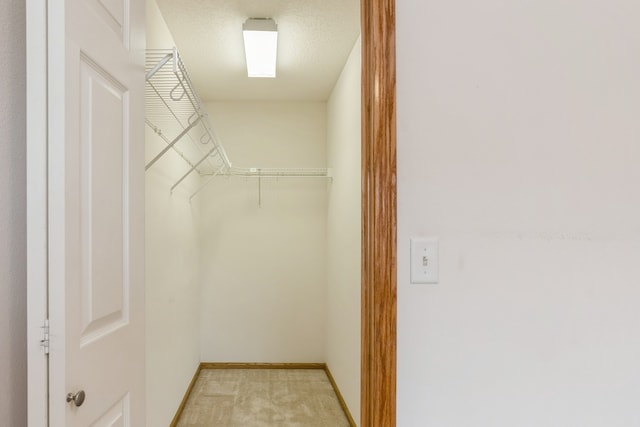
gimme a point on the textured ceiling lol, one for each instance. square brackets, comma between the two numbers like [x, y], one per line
[315, 38]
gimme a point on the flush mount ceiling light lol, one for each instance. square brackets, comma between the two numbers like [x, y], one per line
[260, 46]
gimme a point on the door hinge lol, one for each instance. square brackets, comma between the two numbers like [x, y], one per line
[44, 342]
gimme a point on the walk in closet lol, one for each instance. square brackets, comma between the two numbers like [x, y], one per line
[252, 202]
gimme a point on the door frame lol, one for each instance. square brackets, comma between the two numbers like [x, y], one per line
[379, 278]
[379, 287]
[37, 212]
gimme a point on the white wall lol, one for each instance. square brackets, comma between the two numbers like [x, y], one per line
[343, 233]
[263, 268]
[172, 268]
[518, 145]
[13, 269]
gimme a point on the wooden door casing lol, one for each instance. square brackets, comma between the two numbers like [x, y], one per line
[378, 391]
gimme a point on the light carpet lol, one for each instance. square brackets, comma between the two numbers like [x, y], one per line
[263, 398]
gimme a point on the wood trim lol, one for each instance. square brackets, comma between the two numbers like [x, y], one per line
[378, 391]
[235, 365]
[176, 418]
[343, 404]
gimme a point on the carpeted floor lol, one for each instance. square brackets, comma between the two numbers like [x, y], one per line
[263, 398]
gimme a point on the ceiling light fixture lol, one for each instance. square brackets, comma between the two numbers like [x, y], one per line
[260, 46]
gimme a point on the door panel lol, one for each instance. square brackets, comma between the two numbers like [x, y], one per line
[104, 176]
[96, 212]
[117, 416]
[115, 14]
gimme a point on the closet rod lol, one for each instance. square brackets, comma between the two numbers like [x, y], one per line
[279, 172]
[273, 176]
[266, 173]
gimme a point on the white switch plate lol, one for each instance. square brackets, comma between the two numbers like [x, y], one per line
[424, 260]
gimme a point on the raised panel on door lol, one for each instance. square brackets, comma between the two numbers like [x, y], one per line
[115, 15]
[116, 416]
[104, 142]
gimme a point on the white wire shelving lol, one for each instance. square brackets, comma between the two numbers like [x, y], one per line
[176, 114]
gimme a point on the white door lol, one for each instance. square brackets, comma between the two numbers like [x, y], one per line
[96, 212]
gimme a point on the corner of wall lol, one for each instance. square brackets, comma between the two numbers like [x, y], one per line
[343, 232]
[172, 265]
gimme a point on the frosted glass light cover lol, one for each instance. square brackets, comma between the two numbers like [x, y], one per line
[260, 47]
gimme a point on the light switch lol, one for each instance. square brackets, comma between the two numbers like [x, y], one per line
[424, 260]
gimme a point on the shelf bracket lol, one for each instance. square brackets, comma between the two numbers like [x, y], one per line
[159, 65]
[193, 168]
[176, 139]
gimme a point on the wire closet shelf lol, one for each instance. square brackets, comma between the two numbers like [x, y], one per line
[175, 113]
